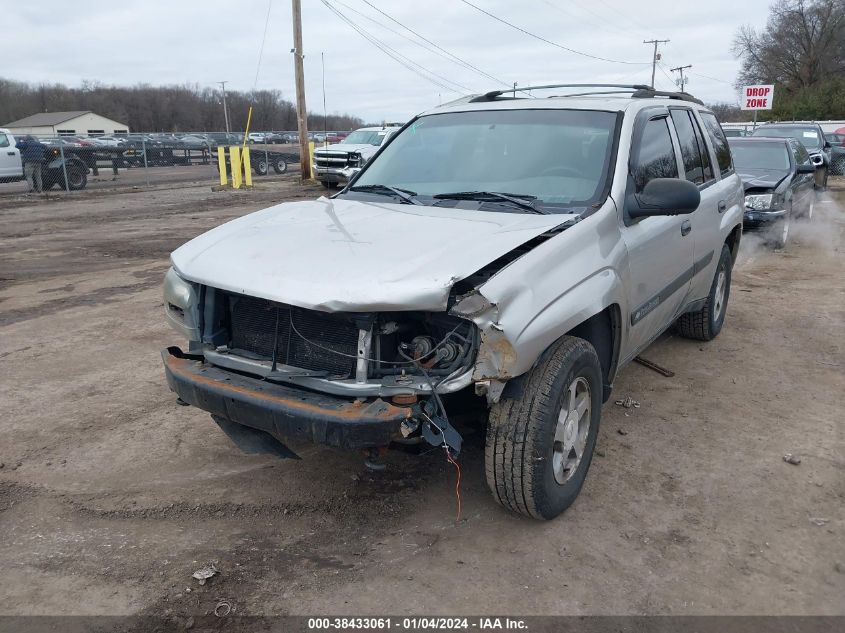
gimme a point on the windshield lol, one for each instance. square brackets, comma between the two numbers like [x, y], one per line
[366, 137]
[756, 155]
[560, 157]
[809, 136]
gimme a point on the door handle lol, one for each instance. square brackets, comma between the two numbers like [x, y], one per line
[10, 153]
[722, 206]
[686, 227]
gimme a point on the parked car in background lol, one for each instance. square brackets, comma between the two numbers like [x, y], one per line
[257, 137]
[108, 141]
[192, 141]
[778, 177]
[338, 163]
[811, 136]
[499, 255]
[734, 133]
[837, 152]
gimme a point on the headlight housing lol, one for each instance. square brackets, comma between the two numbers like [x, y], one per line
[759, 202]
[181, 305]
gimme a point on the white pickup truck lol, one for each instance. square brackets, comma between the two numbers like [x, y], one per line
[337, 164]
[11, 166]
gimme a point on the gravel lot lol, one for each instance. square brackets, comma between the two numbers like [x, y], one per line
[111, 495]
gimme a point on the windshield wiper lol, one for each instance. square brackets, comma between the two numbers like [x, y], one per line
[522, 200]
[405, 195]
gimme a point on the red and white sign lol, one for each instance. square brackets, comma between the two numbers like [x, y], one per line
[757, 97]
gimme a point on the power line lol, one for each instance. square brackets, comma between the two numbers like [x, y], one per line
[624, 15]
[543, 39]
[263, 39]
[403, 60]
[449, 55]
[722, 81]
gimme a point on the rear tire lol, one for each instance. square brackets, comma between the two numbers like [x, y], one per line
[706, 323]
[261, 167]
[76, 179]
[280, 166]
[540, 444]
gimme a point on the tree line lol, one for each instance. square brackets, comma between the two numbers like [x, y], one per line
[801, 51]
[147, 108]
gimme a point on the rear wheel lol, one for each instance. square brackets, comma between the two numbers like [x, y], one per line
[706, 323]
[76, 178]
[540, 444]
[260, 167]
[280, 166]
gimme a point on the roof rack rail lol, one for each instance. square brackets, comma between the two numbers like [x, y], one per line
[490, 96]
[650, 92]
[638, 91]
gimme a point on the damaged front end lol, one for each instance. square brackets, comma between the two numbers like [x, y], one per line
[357, 361]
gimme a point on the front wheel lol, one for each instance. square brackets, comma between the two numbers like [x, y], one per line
[280, 166]
[706, 323]
[260, 167]
[540, 443]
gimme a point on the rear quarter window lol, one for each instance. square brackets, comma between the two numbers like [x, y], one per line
[720, 143]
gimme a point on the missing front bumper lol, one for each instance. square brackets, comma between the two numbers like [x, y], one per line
[284, 412]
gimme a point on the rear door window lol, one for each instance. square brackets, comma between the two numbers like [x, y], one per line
[694, 152]
[720, 143]
[655, 154]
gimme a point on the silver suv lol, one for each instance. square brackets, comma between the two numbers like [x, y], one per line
[498, 260]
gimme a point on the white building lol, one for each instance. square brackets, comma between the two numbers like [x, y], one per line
[80, 122]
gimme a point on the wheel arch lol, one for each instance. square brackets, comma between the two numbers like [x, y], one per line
[732, 240]
[603, 331]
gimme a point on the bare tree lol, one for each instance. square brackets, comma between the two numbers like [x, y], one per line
[803, 44]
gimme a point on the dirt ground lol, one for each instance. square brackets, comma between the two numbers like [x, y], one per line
[111, 495]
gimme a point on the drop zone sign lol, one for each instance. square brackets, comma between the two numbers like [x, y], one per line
[757, 97]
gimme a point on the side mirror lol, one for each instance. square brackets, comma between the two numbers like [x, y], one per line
[664, 196]
[827, 145]
[806, 168]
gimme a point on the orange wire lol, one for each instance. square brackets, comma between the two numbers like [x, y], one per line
[457, 482]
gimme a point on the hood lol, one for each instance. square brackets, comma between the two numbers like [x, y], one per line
[347, 148]
[761, 178]
[344, 255]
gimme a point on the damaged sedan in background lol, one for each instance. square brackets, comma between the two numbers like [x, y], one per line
[498, 257]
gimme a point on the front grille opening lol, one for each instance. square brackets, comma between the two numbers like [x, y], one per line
[301, 338]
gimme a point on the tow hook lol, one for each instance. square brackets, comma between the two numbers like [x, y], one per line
[436, 429]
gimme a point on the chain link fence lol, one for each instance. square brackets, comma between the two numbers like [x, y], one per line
[72, 162]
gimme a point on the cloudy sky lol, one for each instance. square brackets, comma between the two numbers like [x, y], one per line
[205, 41]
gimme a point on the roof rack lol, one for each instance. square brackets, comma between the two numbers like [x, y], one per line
[638, 91]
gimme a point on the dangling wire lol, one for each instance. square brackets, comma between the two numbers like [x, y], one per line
[457, 466]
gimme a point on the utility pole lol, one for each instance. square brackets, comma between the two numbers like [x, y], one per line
[656, 56]
[299, 70]
[225, 110]
[683, 81]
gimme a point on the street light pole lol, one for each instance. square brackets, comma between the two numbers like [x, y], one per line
[225, 110]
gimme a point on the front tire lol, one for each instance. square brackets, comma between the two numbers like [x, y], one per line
[540, 443]
[706, 323]
[280, 166]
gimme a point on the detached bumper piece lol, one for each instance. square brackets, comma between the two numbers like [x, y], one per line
[283, 412]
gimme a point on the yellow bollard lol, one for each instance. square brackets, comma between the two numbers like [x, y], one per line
[221, 165]
[247, 167]
[235, 166]
[311, 158]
